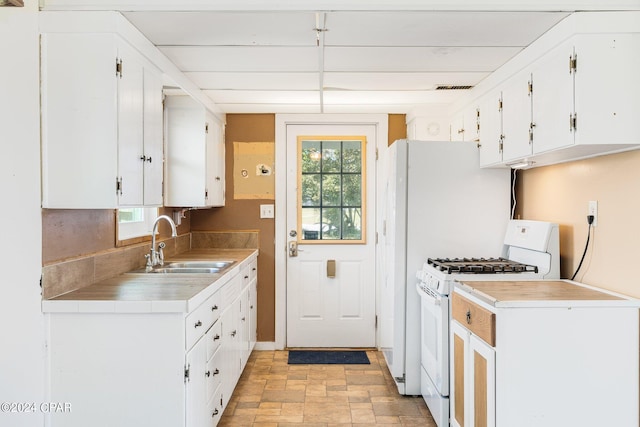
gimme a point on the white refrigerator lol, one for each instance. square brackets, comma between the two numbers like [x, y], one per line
[437, 203]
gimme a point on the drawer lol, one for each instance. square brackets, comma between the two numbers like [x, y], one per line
[199, 321]
[213, 374]
[214, 408]
[231, 291]
[213, 337]
[254, 269]
[477, 319]
[196, 323]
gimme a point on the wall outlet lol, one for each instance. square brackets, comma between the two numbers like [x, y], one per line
[593, 210]
[266, 211]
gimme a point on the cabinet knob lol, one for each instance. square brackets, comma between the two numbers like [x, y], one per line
[233, 334]
[216, 337]
[244, 318]
[214, 413]
[217, 178]
[251, 306]
[246, 277]
[216, 372]
[468, 317]
[253, 269]
[143, 158]
[198, 323]
[149, 159]
[214, 308]
[207, 374]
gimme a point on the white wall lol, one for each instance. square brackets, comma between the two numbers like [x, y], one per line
[22, 353]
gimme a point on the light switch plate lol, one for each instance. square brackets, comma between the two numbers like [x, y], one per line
[266, 211]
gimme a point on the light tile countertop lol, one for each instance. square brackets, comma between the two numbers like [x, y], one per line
[153, 292]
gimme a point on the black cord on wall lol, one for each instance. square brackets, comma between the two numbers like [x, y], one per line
[586, 246]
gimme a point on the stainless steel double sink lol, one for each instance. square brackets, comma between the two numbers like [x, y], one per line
[193, 267]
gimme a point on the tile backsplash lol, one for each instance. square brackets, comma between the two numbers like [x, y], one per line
[65, 276]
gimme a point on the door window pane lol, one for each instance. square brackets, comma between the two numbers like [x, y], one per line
[330, 194]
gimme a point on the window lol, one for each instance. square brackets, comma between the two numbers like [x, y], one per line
[135, 222]
[331, 190]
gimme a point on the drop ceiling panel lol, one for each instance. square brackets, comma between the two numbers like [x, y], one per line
[399, 81]
[258, 59]
[441, 59]
[226, 28]
[263, 96]
[437, 28]
[388, 97]
[270, 108]
[255, 81]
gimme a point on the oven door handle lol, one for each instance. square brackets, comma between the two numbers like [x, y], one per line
[432, 299]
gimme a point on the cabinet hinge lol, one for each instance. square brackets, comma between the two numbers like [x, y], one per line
[118, 185]
[186, 373]
[530, 87]
[573, 63]
[501, 143]
[500, 105]
[206, 128]
[206, 193]
[377, 154]
[376, 325]
[376, 237]
[41, 281]
[573, 122]
[119, 67]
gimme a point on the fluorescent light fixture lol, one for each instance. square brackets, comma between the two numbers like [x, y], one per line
[521, 165]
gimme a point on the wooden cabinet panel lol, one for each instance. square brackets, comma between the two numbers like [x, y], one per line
[478, 320]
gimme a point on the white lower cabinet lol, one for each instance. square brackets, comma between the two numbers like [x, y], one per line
[164, 369]
[551, 364]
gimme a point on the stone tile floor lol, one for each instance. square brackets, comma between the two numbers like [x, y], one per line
[272, 393]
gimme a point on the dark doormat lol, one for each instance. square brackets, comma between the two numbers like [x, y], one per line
[327, 357]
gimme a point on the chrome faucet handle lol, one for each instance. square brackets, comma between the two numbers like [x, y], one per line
[161, 246]
[149, 265]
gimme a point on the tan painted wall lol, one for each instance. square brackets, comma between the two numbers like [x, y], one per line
[561, 193]
[245, 214]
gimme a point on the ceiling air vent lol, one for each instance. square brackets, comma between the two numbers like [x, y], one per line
[452, 87]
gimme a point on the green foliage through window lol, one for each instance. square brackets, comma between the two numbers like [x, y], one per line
[331, 190]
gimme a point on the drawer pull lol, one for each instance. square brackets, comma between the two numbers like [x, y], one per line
[244, 318]
[214, 413]
[253, 269]
[216, 337]
[233, 334]
[246, 277]
[468, 317]
[208, 373]
[214, 308]
[251, 306]
[198, 323]
[216, 372]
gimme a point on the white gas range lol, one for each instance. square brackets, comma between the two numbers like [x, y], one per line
[531, 251]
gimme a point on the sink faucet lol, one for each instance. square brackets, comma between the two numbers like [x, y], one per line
[156, 257]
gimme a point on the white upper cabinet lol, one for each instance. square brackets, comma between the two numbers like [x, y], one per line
[572, 94]
[101, 106]
[516, 117]
[465, 125]
[490, 144]
[194, 151]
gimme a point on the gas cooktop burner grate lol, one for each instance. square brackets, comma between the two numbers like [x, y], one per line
[480, 265]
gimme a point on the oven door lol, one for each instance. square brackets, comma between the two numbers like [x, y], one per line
[434, 338]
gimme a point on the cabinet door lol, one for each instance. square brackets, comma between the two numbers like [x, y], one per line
[491, 129]
[607, 98]
[245, 326]
[482, 387]
[130, 127]
[253, 313]
[457, 128]
[196, 385]
[215, 163]
[79, 121]
[153, 138]
[185, 152]
[553, 100]
[458, 394]
[516, 118]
